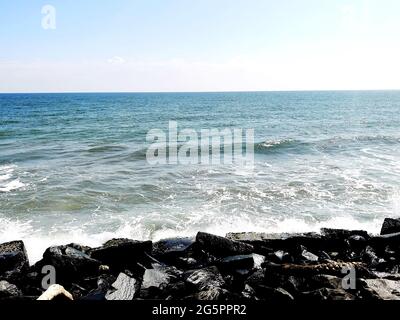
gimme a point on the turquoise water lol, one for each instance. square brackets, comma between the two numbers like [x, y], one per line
[73, 166]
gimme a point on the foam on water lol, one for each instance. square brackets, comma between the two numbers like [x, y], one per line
[7, 181]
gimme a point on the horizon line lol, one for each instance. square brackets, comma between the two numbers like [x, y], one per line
[211, 91]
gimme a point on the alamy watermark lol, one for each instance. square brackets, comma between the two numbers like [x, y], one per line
[226, 146]
[49, 16]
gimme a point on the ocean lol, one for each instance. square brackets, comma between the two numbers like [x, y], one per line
[73, 167]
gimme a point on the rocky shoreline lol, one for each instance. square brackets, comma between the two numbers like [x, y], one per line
[331, 265]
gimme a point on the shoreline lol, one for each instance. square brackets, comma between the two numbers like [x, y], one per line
[335, 264]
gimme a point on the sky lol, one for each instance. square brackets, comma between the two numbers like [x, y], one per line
[203, 45]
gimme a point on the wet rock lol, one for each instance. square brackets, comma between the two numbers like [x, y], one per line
[244, 262]
[281, 256]
[159, 275]
[370, 257]
[326, 281]
[8, 290]
[258, 260]
[56, 292]
[273, 294]
[13, 260]
[390, 226]
[171, 249]
[249, 293]
[222, 247]
[258, 277]
[204, 279]
[342, 234]
[308, 256]
[121, 254]
[104, 284]
[381, 289]
[125, 286]
[70, 263]
[211, 294]
[327, 294]
[277, 241]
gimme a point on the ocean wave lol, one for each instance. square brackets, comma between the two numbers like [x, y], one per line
[7, 181]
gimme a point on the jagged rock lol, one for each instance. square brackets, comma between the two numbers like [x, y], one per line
[104, 284]
[70, 263]
[125, 288]
[308, 256]
[277, 241]
[249, 293]
[258, 277]
[173, 248]
[13, 260]
[390, 226]
[215, 294]
[281, 256]
[159, 275]
[382, 289]
[8, 290]
[327, 294]
[258, 260]
[237, 262]
[204, 279]
[326, 281]
[222, 247]
[342, 234]
[370, 257]
[56, 292]
[121, 254]
[273, 294]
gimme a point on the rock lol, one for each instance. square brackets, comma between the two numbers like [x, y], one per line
[382, 289]
[121, 254]
[237, 262]
[104, 284]
[70, 263]
[204, 279]
[211, 294]
[327, 294]
[249, 293]
[258, 277]
[272, 294]
[370, 257]
[258, 260]
[342, 234]
[308, 256]
[56, 292]
[390, 226]
[222, 247]
[326, 281]
[8, 290]
[125, 288]
[170, 249]
[277, 241]
[159, 275]
[281, 256]
[13, 261]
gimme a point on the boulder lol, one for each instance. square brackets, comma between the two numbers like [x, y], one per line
[125, 288]
[211, 294]
[13, 260]
[170, 249]
[381, 289]
[70, 263]
[273, 294]
[159, 276]
[327, 294]
[222, 247]
[390, 226]
[121, 254]
[237, 262]
[204, 279]
[8, 290]
[56, 292]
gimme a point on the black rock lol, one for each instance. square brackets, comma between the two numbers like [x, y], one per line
[390, 226]
[204, 279]
[121, 254]
[8, 290]
[13, 261]
[327, 294]
[281, 256]
[160, 276]
[125, 288]
[273, 294]
[215, 294]
[170, 249]
[308, 256]
[237, 262]
[222, 247]
[70, 263]
[258, 277]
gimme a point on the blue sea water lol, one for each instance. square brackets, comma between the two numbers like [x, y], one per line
[73, 166]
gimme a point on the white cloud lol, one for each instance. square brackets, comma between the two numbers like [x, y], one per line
[116, 60]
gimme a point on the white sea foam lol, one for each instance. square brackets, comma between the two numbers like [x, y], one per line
[8, 182]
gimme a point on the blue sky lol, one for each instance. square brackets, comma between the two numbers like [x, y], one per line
[204, 45]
